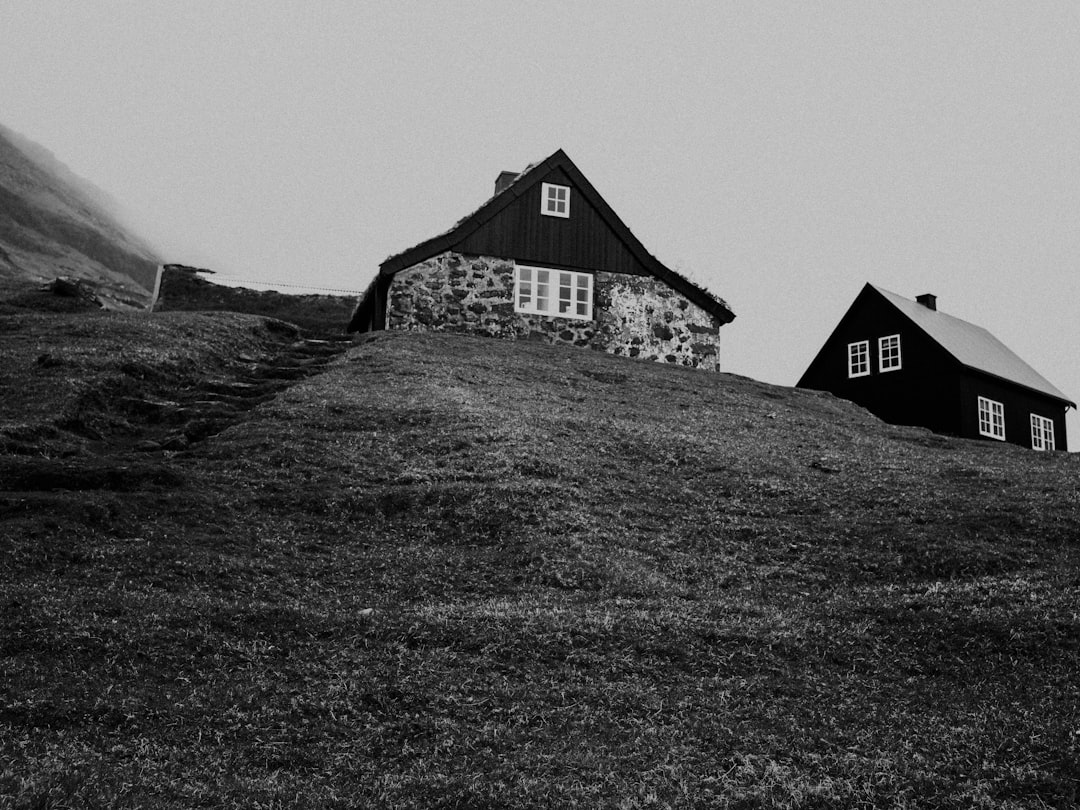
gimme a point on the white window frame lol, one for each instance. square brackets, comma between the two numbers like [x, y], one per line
[1042, 433]
[858, 358]
[566, 293]
[551, 196]
[889, 353]
[991, 419]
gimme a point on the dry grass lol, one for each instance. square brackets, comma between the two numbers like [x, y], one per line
[448, 572]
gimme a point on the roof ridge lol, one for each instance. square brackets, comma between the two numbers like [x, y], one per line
[971, 345]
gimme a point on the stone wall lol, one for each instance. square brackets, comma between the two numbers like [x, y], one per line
[634, 316]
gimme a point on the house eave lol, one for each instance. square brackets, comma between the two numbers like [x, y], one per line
[1014, 384]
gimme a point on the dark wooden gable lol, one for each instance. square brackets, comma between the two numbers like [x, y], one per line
[923, 391]
[583, 241]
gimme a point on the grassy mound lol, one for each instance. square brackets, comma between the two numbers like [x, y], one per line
[186, 289]
[454, 572]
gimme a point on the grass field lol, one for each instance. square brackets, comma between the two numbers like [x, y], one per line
[242, 570]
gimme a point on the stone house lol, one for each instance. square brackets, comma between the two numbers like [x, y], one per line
[547, 258]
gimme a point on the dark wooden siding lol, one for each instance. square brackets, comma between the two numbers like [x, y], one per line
[584, 241]
[1020, 404]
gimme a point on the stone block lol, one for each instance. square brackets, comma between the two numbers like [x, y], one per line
[699, 329]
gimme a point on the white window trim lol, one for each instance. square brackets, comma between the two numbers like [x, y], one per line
[526, 300]
[1042, 433]
[853, 351]
[989, 426]
[546, 198]
[896, 361]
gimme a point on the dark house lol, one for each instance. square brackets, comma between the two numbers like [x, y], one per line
[547, 258]
[912, 365]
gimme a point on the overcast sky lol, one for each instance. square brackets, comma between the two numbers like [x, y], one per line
[781, 154]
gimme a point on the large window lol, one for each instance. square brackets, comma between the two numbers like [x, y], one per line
[889, 353]
[991, 419]
[1042, 433]
[545, 291]
[555, 200]
[858, 358]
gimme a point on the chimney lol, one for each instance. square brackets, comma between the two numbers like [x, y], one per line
[927, 300]
[504, 179]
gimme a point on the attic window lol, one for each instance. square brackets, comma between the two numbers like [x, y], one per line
[889, 353]
[991, 419]
[858, 358]
[1042, 433]
[555, 200]
[544, 291]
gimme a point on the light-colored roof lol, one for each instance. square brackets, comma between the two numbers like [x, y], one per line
[973, 346]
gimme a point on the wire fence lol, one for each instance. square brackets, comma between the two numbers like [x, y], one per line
[276, 284]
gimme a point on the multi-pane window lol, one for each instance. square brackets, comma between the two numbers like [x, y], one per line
[991, 419]
[889, 353]
[858, 358]
[554, 200]
[1042, 433]
[545, 291]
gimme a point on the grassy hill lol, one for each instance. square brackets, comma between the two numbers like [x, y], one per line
[188, 289]
[242, 569]
[53, 223]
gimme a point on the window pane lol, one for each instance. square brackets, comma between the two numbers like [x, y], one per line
[547, 291]
[991, 418]
[858, 358]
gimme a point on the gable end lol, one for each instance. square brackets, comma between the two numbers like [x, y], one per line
[510, 225]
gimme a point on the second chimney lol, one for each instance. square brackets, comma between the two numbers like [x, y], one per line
[503, 180]
[927, 300]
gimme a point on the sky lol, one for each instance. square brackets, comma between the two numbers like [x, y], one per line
[781, 154]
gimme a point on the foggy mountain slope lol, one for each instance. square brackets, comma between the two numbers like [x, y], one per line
[54, 223]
